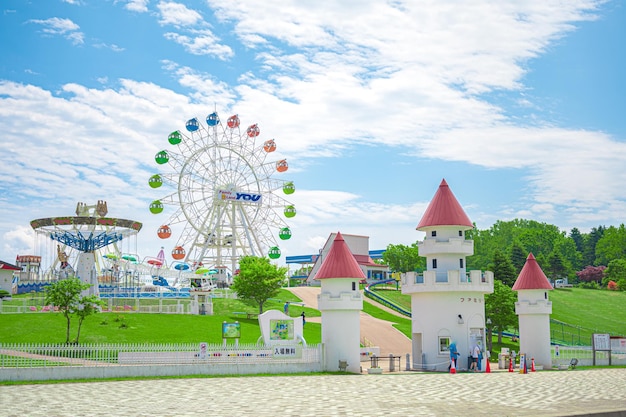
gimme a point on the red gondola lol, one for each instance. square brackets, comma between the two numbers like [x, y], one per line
[253, 130]
[233, 121]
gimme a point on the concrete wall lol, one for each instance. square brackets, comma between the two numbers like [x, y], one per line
[116, 371]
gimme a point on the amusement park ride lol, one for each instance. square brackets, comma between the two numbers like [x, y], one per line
[86, 233]
[228, 204]
[226, 196]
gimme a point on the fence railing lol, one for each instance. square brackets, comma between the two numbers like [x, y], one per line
[584, 356]
[21, 355]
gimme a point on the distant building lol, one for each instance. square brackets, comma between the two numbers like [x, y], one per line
[359, 247]
[6, 276]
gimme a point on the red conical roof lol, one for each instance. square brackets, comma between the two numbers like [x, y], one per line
[339, 262]
[444, 210]
[531, 277]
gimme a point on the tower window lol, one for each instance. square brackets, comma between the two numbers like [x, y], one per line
[434, 264]
[461, 263]
[461, 233]
[433, 233]
[353, 286]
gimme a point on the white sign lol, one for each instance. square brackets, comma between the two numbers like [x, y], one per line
[601, 341]
[230, 195]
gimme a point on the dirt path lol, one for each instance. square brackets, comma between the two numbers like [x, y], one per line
[374, 332]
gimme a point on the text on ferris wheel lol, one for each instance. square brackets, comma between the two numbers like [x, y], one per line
[237, 196]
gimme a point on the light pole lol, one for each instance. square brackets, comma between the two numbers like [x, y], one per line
[489, 339]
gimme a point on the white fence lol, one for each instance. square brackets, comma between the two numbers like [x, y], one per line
[41, 362]
[584, 356]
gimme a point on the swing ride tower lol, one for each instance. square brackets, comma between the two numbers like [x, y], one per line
[84, 235]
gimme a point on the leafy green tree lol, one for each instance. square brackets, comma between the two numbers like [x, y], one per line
[500, 308]
[616, 271]
[518, 256]
[591, 239]
[66, 296]
[556, 268]
[503, 269]
[87, 305]
[402, 258]
[578, 238]
[258, 280]
[612, 245]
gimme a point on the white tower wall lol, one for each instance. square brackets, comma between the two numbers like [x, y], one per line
[340, 303]
[533, 309]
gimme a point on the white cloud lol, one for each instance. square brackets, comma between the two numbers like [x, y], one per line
[140, 6]
[202, 42]
[64, 27]
[177, 14]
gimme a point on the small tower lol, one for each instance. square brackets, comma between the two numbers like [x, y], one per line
[340, 302]
[447, 302]
[533, 309]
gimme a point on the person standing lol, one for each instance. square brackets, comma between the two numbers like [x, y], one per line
[303, 318]
[475, 355]
[453, 355]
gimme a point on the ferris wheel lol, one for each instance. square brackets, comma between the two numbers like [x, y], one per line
[227, 199]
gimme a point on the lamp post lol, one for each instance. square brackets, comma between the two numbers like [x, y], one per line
[489, 338]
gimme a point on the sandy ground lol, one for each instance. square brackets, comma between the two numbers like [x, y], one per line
[374, 332]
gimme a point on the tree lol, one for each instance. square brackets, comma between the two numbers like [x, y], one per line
[616, 271]
[402, 258]
[612, 245]
[591, 239]
[87, 305]
[503, 269]
[518, 256]
[591, 274]
[258, 280]
[66, 296]
[500, 308]
[556, 268]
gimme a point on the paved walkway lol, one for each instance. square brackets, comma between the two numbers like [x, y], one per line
[555, 393]
[374, 332]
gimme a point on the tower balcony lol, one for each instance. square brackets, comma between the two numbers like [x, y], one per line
[535, 307]
[352, 300]
[447, 281]
[430, 246]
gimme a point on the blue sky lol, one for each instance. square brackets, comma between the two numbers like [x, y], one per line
[518, 105]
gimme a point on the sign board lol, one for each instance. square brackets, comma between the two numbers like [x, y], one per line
[601, 341]
[277, 328]
[231, 330]
[230, 195]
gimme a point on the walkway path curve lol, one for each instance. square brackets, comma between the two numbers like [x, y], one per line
[374, 332]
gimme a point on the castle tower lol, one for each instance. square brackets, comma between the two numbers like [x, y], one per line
[340, 302]
[447, 302]
[533, 309]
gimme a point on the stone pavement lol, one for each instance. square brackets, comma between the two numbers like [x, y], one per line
[547, 393]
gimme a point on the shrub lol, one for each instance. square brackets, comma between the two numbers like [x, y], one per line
[612, 285]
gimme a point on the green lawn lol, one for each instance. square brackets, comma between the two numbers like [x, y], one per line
[583, 311]
[126, 327]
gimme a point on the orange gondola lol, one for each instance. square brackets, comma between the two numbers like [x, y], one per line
[281, 166]
[253, 130]
[164, 232]
[269, 146]
[178, 253]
